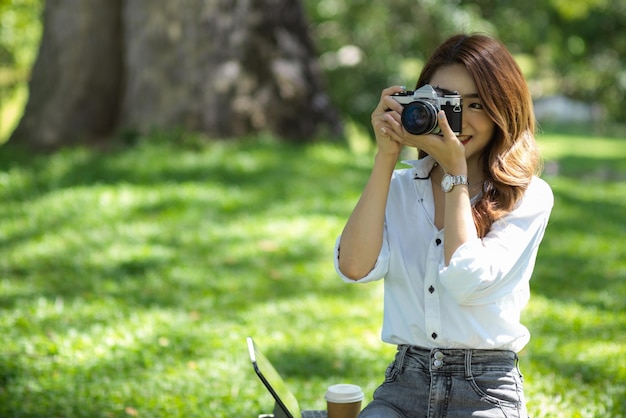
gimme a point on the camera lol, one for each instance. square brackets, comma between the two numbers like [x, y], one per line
[419, 116]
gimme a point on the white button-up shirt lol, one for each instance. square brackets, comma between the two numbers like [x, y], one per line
[475, 301]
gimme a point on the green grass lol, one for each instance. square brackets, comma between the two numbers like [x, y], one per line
[129, 280]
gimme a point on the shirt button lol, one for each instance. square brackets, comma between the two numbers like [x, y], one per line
[437, 364]
[438, 355]
[438, 242]
[431, 289]
[434, 335]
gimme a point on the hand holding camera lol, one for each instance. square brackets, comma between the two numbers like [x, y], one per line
[424, 114]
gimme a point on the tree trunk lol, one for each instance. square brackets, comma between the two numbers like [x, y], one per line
[75, 84]
[222, 67]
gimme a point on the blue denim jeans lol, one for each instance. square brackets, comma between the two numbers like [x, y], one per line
[447, 383]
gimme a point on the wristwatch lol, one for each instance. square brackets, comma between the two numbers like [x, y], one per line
[449, 181]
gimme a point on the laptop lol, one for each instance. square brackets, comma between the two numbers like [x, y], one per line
[286, 405]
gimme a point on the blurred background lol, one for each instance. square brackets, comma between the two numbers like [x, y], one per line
[97, 58]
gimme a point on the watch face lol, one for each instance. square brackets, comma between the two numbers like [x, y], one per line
[446, 183]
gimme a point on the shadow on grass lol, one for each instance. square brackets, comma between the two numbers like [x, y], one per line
[580, 272]
[194, 248]
[267, 171]
[584, 378]
[578, 129]
[581, 257]
[314, 364]
[207, 276]
[242, 183]
[589, 169]
[225, 229]
[43, 386]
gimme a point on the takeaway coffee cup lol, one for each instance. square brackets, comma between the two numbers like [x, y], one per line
[343, 400]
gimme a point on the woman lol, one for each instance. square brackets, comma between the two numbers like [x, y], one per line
[455, 237]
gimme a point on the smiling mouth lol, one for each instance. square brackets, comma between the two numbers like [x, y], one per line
[465, 139]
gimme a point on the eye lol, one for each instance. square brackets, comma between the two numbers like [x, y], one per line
[476, 105]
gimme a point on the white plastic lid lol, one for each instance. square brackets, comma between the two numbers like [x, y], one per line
[344, 393]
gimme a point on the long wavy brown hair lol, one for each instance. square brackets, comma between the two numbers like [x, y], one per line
[511, 158]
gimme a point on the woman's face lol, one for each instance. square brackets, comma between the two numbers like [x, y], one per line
[477, 129]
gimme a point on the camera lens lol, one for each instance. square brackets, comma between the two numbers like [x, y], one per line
[419, 117]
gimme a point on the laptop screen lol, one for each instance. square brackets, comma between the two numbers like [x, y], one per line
[285, 399]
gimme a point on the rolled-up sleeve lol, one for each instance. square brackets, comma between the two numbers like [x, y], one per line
[380, 268]
[484, 270]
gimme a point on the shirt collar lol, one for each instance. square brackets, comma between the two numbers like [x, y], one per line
[422, 167]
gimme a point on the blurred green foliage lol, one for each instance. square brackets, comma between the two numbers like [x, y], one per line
[577, 45]
[569, 47]
[366, 46]
[20, 33]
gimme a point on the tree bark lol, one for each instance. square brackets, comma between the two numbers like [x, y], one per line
[222, 67]
[75, 83]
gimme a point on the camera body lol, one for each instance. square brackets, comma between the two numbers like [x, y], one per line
[419, 116]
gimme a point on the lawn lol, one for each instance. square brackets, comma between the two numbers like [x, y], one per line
[129, 280]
